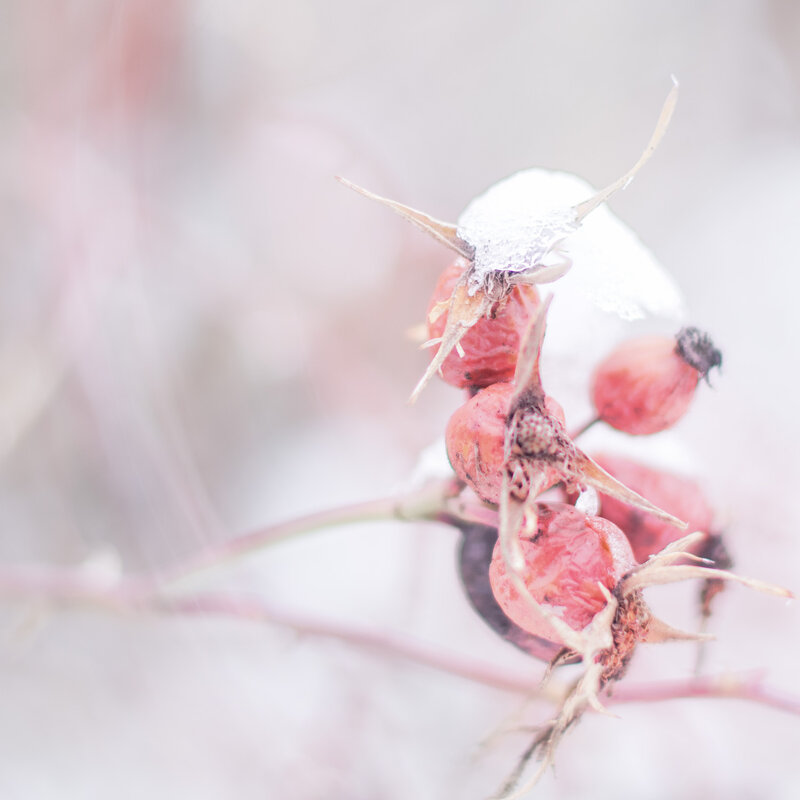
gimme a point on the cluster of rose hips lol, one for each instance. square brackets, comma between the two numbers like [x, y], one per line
[548, 577]
[560, 577]
[511, 438]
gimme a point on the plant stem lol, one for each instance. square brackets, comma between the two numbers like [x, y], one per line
[584, 428]
[67, 586]
[427, 502]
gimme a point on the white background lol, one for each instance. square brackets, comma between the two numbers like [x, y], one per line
[202, 332]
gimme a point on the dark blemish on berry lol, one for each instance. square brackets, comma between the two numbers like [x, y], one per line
[532, 399]
[698, 351]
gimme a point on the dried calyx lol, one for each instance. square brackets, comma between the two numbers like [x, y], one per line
[698, 351]
[503, 250]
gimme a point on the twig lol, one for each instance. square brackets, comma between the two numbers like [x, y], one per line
[748, 687]
[425, 503]
[59, 585]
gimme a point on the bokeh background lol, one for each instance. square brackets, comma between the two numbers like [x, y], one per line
[201, 332]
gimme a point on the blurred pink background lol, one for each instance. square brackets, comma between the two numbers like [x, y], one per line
[202, 333]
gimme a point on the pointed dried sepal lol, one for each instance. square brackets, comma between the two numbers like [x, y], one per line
[658, 631]
[462, 313]
[512, 515]
[680, 548]
[594, 475]
[442, 231]
[519, 516]
[660, 574]
[527, 373]
[587, 206]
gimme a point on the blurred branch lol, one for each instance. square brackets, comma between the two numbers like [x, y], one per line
[428, 502]
[143, 594]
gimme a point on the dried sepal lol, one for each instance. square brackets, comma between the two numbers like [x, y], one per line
[592, 643]
[513, 247]
[517, 516]
[527, 374]
[463, 311]
[668, 567]
[587, 206]
[595, 476]
[682, 572]
[659, 631]
[441, 231]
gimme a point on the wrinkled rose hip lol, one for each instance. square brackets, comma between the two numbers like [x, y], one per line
[491, 345]
[566, 558]
[646, 385]
[678, 495]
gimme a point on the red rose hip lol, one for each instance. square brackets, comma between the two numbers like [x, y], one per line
[646, 385]
[491, 345]
[475, 439]
[565, 559]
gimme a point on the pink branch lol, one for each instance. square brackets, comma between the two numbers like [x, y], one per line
[734, 687]
[386, 645]
[426, 503]
[144, 595]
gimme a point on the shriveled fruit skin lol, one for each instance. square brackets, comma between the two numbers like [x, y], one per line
[566, 558]
[492, 344]
[475, 439]
[474, 558]
[679, 495]
[644, 386]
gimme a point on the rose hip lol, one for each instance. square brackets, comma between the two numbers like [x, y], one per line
[565, 559]
[646, 385]
[679, 495]
[475, 439]
[491, 345]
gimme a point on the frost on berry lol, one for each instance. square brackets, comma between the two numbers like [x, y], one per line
[646, 385]
[504, 248]
[488, 352]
